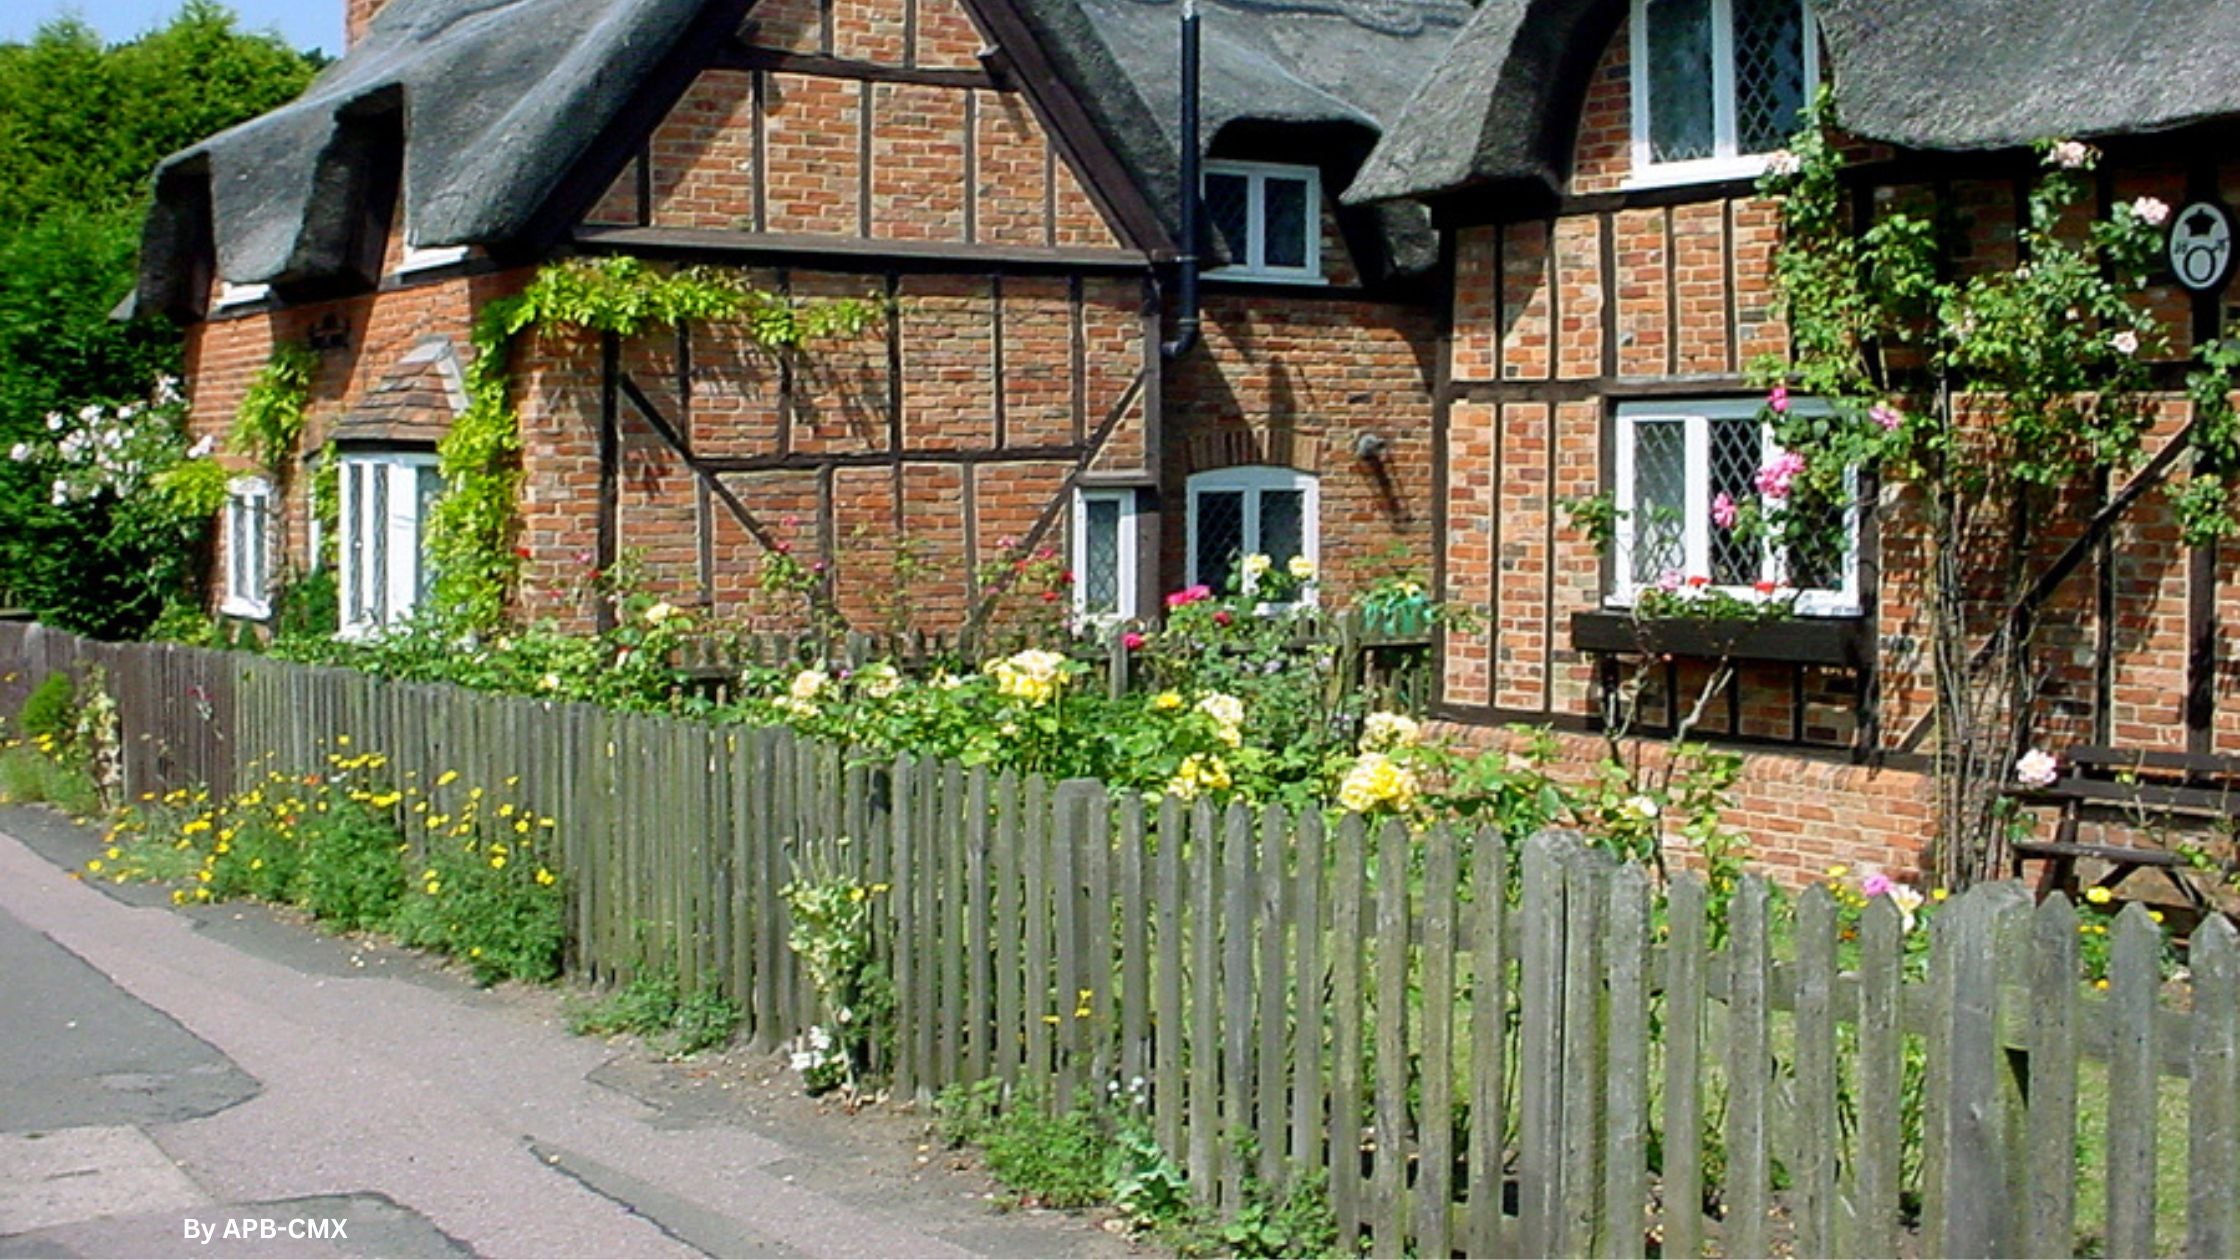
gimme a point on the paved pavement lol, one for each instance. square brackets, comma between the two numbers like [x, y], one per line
[223, 1082]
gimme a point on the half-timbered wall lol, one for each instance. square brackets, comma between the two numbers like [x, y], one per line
[852, 150]
[1627, 293]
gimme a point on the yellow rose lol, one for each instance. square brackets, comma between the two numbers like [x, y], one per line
[1302, 568]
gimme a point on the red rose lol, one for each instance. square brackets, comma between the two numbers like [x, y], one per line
[1223, 618]
[1699, 581]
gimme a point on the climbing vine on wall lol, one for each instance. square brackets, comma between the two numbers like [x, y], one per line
[270, 418]
[471, 528]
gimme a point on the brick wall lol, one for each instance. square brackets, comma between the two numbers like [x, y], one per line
[1546, 343]
[1296, 383]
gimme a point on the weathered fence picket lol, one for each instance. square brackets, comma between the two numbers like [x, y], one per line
[1470, 1069]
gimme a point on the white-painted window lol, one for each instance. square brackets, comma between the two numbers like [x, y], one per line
[1269, 216]
[232, 295]
[1104, 556]
[1674, 460]
[384, 509]
[1237, 512]
[248, 550]
[428, 258]
[1717, 85]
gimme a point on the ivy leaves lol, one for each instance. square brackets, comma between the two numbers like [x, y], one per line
[471, 528]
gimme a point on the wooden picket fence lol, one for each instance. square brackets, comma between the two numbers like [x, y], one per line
[1480, 1047]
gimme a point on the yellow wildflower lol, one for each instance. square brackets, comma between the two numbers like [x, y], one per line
[1167, 701]
[447, 778]
[546, 878]
[498, 862]
[433, 887]
[2098, 896]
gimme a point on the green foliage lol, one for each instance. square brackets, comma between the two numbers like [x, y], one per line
[335, 843]
[1059, 1160]
[831, 935]
[81, 127]
[30, 776]
[652, 1006]
[50, 711]
[270, 418]
[471, 528]
[353, 874]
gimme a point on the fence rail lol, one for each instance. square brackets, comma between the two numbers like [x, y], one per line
[1482, 1047]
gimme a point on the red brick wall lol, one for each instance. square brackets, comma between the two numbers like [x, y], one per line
[1690, 297]
[1295, 384]
[223, 355]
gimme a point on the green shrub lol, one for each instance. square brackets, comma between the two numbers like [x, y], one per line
[352, 875]
[653, 1006]
[1066, 1160]
[49, 710]
[28, 776]
[499, 912]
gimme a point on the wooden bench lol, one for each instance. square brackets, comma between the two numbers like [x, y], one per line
[2133, 786]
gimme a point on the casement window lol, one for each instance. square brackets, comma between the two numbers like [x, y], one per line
[1269, 217]
[384, 510]
[1674, 460]
[1237, 512]
[248, 537]
[1104, 556]
[1717, 84]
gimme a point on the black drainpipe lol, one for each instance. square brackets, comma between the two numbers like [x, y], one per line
[1186, 320]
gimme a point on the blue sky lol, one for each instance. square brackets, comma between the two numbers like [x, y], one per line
[303, 23]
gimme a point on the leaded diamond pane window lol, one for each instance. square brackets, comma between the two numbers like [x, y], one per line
[1769, 73]
[1228, 205]
[1680, 468]
[1268, 217]
[1737, 451]
[1717, 82]
[1681, 122]
[1219, 518]
[1236, 512]
[1660, 499]
[248, 547]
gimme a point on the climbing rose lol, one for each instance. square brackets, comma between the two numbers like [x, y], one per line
[1784, 163]
[2070, 155]
[2152, 211]
[1132, 640]
[1887, 416]
[1774, 479]
[1723, 511]
[1189, 595]
[2125, 342]
[2036, 769]
[1778, 400]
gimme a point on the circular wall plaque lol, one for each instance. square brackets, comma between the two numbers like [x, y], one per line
[2201, 246]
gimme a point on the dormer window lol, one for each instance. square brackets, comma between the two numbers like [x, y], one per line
[1269, 217]
[1717, 84]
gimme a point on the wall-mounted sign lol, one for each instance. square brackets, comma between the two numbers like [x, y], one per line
[2201, 246]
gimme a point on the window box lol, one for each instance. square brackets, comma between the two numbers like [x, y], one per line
[1837, 641]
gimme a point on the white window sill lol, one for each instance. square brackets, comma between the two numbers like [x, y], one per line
[419, 259]
[1265, 277]
[246, 609]
[231, 295]
[1705, 171]
[1831, 608]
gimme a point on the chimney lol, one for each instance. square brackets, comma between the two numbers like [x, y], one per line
[356, 16]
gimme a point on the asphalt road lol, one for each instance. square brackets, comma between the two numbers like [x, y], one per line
[223, 1082]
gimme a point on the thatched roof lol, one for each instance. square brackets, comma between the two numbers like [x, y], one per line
[498, 100]
[1500, 110]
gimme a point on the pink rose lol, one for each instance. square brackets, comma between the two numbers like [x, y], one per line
[1723, 511]
[1778, 400]
[1876, 884]
[1132, 641]
[1773, 479]
[1668, 581]
[1189, 595]
[1887, 416]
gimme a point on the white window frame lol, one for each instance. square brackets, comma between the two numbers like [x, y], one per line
[1726, 162]
[231, 295]
[1252, 480]
[248, 527]
[1696, 524]
[1254, 265]
[430, 257]
[371, 602]
[1127, 603]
